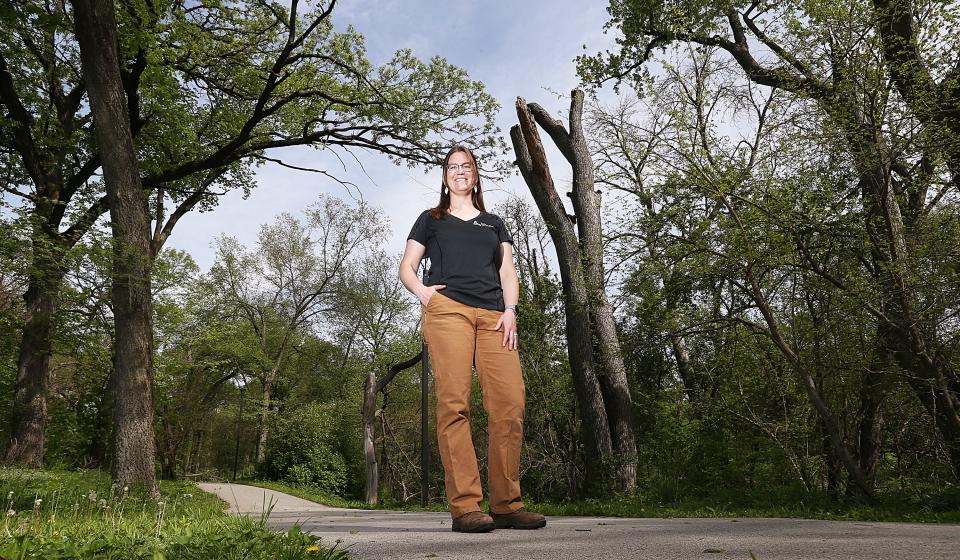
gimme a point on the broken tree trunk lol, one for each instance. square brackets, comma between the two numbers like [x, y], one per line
[531, 158]
[370, 390]
[586, 206]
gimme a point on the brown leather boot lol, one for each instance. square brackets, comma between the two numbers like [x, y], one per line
[520, 519]
[473, 522]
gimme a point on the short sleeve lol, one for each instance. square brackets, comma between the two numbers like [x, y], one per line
[419, 231]
[502, 232]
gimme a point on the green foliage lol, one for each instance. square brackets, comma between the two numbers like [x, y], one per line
[727, 502]
[53, 515]
[304, 449]
[757, 272]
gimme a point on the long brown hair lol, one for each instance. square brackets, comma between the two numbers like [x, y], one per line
[444, 205]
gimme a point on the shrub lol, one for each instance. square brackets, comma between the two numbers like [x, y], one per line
[302, 449]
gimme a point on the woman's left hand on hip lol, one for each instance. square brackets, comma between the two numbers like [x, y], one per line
[508, 322]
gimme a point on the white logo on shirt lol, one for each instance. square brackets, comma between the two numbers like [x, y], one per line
[476, 223]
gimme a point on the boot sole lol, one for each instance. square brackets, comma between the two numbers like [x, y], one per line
[478, 529]
[508, 525]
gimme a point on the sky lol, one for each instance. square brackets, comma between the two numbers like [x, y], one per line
[515, 47]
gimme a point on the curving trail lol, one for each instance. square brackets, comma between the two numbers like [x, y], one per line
[375, 535]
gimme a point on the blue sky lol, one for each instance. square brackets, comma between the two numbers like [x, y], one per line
[519, 47]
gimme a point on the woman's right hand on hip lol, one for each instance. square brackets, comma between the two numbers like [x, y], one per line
[427, 292]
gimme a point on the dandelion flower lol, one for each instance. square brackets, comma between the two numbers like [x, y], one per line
[313, 548]
[38, 501]
[11, 513]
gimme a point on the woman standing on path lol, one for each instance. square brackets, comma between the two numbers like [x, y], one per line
[472, 321]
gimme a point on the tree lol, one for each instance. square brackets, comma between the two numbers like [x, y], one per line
[371, 388]
[133, 443]
[285, 286]
[371, 324]
[624, 150]
[591, 332]
[927, 80]
[202, 114]
[831, 62]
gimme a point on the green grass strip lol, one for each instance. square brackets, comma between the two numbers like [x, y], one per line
[55, 515]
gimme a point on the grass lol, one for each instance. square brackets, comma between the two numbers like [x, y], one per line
[56, 515]
[943, 508]
[810, 507]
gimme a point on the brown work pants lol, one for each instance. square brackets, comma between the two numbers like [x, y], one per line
[457, 337]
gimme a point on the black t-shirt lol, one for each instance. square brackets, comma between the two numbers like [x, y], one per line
[464, 255]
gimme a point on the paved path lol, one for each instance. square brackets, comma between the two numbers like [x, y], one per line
[375, 535]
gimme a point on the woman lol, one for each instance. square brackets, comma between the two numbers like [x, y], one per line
[470, 318]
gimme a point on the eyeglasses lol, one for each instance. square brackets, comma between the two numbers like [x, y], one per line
[466, 167]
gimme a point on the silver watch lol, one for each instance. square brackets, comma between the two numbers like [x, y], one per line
[511, 307]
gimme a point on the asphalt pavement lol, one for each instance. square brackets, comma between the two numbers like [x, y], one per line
[377, 534]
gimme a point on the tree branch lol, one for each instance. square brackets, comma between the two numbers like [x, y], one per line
[22, 136]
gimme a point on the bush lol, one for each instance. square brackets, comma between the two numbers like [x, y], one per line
[302, 450]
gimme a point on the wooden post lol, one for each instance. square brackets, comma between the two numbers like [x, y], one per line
[369, 437]
[425, 429]
[236, 450]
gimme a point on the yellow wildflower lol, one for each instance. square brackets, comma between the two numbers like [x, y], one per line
[313, 548]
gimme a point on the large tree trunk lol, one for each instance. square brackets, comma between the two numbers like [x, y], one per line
[614, 379]
[586, 204]
[531, 159]
[133, 437]
[28, 419]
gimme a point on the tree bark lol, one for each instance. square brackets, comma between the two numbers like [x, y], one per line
[532, 162]
[681, 353]
[133, 438]
[371, 495]
[263, 430]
